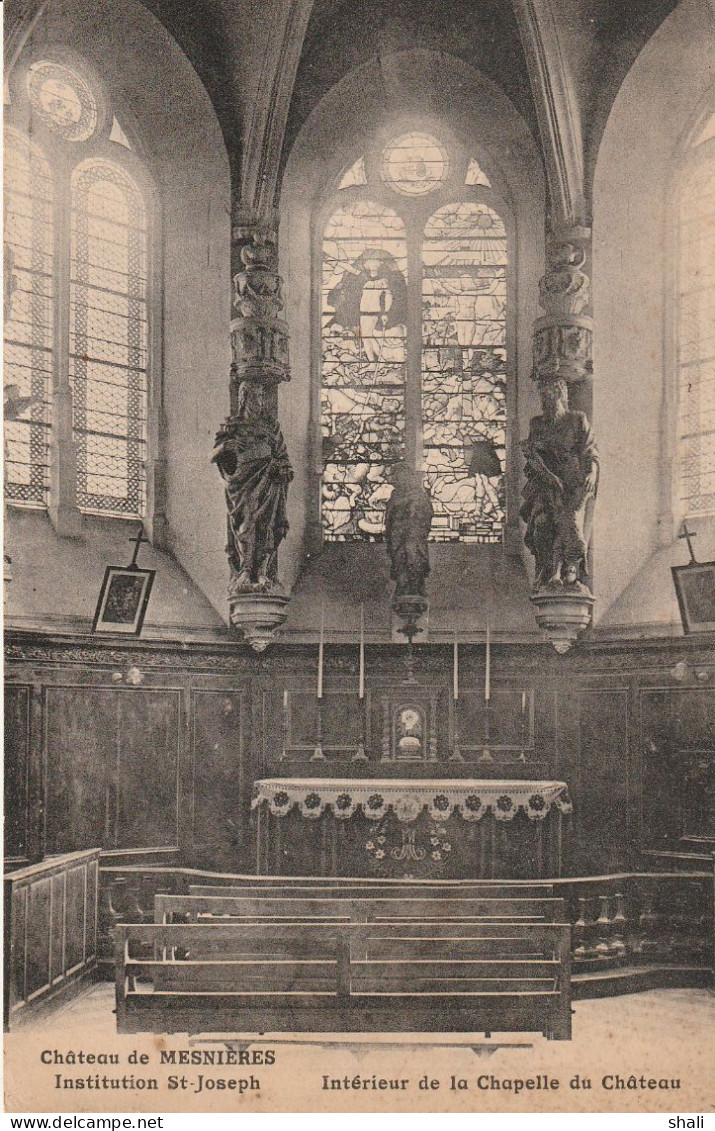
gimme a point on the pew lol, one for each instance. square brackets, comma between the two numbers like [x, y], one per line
[391, 976]
[367, 888]
[352, 908]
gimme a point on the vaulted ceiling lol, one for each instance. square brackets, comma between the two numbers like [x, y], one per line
[266, 63]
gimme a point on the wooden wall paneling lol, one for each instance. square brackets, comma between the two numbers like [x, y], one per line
[186, 790]
[342, 722]
[80, 725]
[16, 925]
[38, 939]
[17, 771]
[50, 930]
[217, 744]
[511, 729]
[148, 767]
[605, 788]
[58, 926]
[547, 732]
[37, 787]
[678, 751]
[557, 714]
[75, 889]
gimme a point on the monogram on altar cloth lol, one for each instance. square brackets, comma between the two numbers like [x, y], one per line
[420, 828]
[441, 798]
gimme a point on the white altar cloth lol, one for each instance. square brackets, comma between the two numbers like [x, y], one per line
[407, 798]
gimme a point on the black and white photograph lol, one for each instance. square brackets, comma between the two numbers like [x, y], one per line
[378, 338]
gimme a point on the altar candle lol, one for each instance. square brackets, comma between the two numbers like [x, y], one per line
[361, 689]
[487, 672]
[320, 650]
[455, 670]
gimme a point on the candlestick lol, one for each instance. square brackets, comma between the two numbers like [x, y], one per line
[318, 755]
[320, 650]
[361, 687]
[487, 672]
[285, 725]
[455, 670]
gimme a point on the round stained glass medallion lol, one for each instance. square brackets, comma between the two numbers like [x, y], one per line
[62, 100]
[414, 164]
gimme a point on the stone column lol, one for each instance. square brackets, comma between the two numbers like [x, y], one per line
[563, 336]
[250, 452]
[561, 454]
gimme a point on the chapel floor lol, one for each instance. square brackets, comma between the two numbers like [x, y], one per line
[664, 1034]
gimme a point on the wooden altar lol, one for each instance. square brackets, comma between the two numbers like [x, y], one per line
[418, 828]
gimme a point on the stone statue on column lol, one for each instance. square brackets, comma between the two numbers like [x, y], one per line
[250, 452]
[561, 479]
[252, 458]
[561, 458]
[408, 519]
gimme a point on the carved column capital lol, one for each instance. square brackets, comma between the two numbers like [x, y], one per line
[563, 336]
[259, 336]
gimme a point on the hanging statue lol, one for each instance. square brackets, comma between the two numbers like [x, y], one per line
[561, 480]
[253, 461]
[408, 518]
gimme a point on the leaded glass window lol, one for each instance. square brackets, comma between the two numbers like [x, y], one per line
[74, 213]
[29, 320]
[696, 333]
[414, 341]
[364, 313]
[108, 338]
[464, 371]
[62, 100]
[414, 164]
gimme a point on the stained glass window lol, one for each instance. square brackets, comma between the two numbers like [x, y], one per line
[464, 371]
[696, 336]
[355, 175]
[476, 175]
[29, 320]
[62, 100]
[414, 164]
[414, 343]
[117, 134]
[108, 338]
[364, 314]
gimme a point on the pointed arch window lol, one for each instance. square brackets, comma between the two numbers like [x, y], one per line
[696, 327]
[414, 292]
[79, 229]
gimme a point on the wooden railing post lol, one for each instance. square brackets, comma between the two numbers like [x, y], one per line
[121, 933]
[343, 959]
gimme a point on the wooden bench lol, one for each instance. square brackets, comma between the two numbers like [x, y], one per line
[396, 976]
[372, 889]
[351, 908]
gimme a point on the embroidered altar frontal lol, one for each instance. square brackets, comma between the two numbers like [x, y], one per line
[409, 828]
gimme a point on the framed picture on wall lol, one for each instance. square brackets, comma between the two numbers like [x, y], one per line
[695, 590]
[123, 600]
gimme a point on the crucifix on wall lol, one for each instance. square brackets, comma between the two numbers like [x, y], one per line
[695, 589]
[125, 593]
